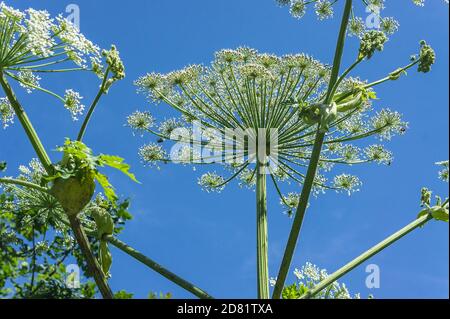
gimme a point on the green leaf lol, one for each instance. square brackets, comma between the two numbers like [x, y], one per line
[440, 213]
[107, 187]
[122, 294]
[117, 163]
[2, 166]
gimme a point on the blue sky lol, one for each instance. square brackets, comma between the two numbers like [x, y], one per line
[210, 238]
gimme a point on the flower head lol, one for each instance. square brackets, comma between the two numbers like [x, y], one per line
[28, 80]
[427, 57]
[356, 27]
[371, 41]
[6, 112]
[152, 154]
[298, 8]
[347, 183]
[443, 174]
[73, 103]
[114, 63]
[379, 154]
[243, 96]
[290, 202]
[140, 121]
[324, 9]
[211, 182]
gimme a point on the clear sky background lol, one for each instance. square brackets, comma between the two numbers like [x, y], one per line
[210, 238]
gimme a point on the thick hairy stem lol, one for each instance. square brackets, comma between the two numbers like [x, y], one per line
[26, 124]
[261, 235]
[312, 168]
[367, 255]
[158, 268]
[93, 265]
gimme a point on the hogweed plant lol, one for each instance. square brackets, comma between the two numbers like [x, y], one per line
[33, 45]
[286, 119]
[63, 194]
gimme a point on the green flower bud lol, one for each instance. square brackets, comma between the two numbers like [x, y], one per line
[427, 57]
[114, 62]
[350, 103]
[371, 41]
[426, 197]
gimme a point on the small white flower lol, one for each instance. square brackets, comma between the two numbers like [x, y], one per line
[347, 183]
[151, 154]
[28, 80]
[211, 182]
[324, 9]
[378, 154]
[73, 103]
[140, 121]
[6, 112]
[38, 30]
[443, 174]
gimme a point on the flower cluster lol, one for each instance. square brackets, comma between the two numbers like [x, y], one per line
[357, 26]
[308, 277]
[140, 121]
[245, 91]
[34, 43]
[73, 103]
[45, 207]
[427, 57]
[443, 174]
[6, 112]
[371, 41]
[33, 34]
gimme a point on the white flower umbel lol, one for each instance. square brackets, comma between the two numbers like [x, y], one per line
[310, 276]
[6, 112]
[73, 104]
[243, 89]
[443, 174]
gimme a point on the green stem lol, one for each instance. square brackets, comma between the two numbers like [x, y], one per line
[313, 164]
[262, 237]
[93, 265]
[19, 182]
[158, 268]
[367, 255]
[100, 93]
[26, 124]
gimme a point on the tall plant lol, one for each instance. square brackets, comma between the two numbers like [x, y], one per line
[310, 114]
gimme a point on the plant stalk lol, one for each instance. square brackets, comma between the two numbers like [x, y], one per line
[158, 268]
[261, 235]
[91, 110]
[93, 265]
[367, 255]
[313, 164]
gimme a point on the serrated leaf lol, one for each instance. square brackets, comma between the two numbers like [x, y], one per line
[117, 163]
[107, 187]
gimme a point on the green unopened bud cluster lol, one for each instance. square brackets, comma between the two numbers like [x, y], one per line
[372, 41]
